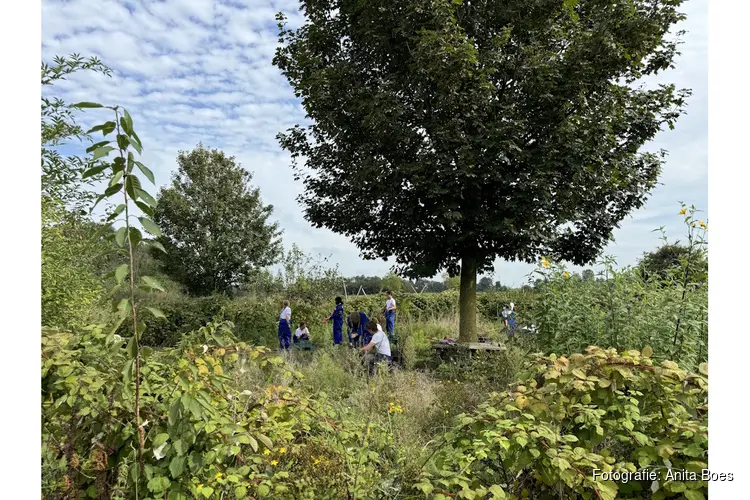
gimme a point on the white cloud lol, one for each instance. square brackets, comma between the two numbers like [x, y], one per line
[194, 71]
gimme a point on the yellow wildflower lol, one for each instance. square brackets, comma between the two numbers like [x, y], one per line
[218, 475]
[282, 450]
[545, 262]
[702, 224]
[316, 461]
[566, 274]
[683, 211]
[274, 462]
[200, 486]
[266, 451]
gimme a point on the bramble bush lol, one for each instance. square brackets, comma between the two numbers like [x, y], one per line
[570, 415]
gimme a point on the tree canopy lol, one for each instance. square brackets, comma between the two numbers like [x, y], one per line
[215, 227]
[450, 133]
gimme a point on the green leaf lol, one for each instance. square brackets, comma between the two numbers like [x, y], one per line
[128, 121]
[82, 105]
[133, 348]
[158, 484]
[132, 186]
[105, 128]
[151, 283]
[131, 162]
[149, 226]
[177, 466]
[156, 312]
[240, 492]
[120, 272]
[497, 492]
[94, 171]
[102, 152]
[694, 495]
[146, 197]
[135, 236]
[115, 178]
[174, 412]
[127, 371]
[145, 208]
[207, 491]
[263, 489]
[112, 190]
[120, 236]
[146, 171]
[96, 146]
[267, 442]
[158, 245]
[124, 307]
[124, 125]
[117, 211]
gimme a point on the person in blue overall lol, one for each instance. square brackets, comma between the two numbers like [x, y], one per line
[390, 315]
[509, 315]
[285, 326]
[356, 331]
[337, 316]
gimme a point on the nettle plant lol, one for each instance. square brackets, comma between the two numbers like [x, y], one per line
[566, 417]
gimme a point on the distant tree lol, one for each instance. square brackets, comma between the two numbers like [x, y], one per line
[451, 133]
[215, 227]
[588, 275]
[451, 282]
[499, 287]
[393, 282]
[485, 284]
[670, 259]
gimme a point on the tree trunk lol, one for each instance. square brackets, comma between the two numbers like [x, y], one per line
[467, 301]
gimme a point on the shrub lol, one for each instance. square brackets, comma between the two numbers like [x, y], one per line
[543, 438]
[206, 436]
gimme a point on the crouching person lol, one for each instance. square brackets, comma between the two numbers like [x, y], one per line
[381, 344]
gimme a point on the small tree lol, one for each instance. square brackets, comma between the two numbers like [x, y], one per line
[392, 282]
[670, 257]
[450, 133]
[215, 227]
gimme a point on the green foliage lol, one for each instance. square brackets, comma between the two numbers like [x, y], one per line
[62, 175]
[71, 257]
[624, 309]
[214, 225]
[206, 435]
[660, 262]
[487, 129]
[566, 417]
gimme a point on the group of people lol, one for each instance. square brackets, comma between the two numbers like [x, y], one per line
[362, 332]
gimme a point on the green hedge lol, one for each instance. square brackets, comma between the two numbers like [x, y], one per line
[256, 318]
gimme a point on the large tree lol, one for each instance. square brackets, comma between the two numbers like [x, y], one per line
[449, 133]
[214, 224]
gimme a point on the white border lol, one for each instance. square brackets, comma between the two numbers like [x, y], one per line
[729, 343]
[21, 34]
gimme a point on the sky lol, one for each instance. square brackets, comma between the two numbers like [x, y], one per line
[192, 71]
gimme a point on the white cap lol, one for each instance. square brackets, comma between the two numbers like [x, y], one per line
[512, 305]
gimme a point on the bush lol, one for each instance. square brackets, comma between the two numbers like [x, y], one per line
[206, 435]
[615, 412]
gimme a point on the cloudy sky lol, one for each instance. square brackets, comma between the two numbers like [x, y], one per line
[194, 71]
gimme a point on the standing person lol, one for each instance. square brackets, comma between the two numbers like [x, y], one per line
[390, 314]
[509, 317]
[337, 316]
[302, 333]
[381, 344]
[285, 326]
[356, 330]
